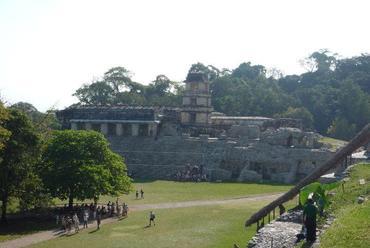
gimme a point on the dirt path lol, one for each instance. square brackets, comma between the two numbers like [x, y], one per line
[46, 235]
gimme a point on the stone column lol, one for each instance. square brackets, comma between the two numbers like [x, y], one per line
[104, 128]
[73, 125]
[134, 129]
[150, 130]
[119, 129]
[88, 126]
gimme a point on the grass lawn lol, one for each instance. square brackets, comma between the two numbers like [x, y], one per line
[351, 229]
[334, 144]
[212, 226]
[169, 191]
[352, 226]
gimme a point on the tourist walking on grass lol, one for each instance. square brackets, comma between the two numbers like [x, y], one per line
[142, 193]
[64, 222]
[125, 209]
[137, 194]
[98, 218]
[151, 218]
[86, 218]
[57, 218]
[309, 220]
[94, 212]
[108, 206]
[76, 222]
[112, 209]
[68, 222]
[119, 211]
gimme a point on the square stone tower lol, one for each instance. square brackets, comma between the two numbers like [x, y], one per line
[196, 101]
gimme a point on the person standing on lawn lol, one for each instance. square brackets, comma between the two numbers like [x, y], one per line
[86, 217]
[76, 222]
[151, 218]
[98, 217]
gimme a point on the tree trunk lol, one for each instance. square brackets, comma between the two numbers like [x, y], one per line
[70, 200]
[4, 200]
[362, 138]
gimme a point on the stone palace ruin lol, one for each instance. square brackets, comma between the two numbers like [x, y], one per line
[157, 142]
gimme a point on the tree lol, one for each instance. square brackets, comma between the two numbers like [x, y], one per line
[355, 69]
[211, 72]
[4, 133]
[118, 77]
[320, 61]
[20, 154]
[342, 129]
[353, 104]
[249, 71]
[322, 102]
[80, 165]
[163, 92]
[43, 122]
[298, 113]
[289, 83]
[96, 93]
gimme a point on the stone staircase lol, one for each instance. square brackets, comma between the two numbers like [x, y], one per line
[162, 158]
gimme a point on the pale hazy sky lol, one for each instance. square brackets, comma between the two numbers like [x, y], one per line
[49, 48]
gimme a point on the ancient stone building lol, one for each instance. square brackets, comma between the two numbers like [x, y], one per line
[158, 142]
[196, 101]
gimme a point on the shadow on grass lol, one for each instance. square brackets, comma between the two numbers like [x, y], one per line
[145, 180]
[18, 227]
[72, 233]
[147, 226]
[94, 231]
[58, 232]
[122, 218]
[305, 244]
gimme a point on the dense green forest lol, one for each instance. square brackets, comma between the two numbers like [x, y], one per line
[332, 96]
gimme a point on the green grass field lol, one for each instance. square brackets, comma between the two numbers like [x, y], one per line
[169, 191]
[352, 226]
[208, 226]
[333, 144]
[212, 226]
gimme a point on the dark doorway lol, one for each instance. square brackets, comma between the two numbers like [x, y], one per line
[289, 141]
[192, 117]
[95, 127]
[111, 129]
[143, 130]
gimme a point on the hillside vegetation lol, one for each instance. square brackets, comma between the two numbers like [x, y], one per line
[352, 225]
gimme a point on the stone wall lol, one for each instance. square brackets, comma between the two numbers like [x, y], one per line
[222, 159]
[157, 142]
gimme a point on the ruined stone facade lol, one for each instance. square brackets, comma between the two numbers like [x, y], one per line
[158, 142]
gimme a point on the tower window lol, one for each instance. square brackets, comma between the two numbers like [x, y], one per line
[194, 86]
[193, 101]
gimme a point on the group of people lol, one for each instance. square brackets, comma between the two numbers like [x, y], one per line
[141, 194]
[69, 217]
[191, 173]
